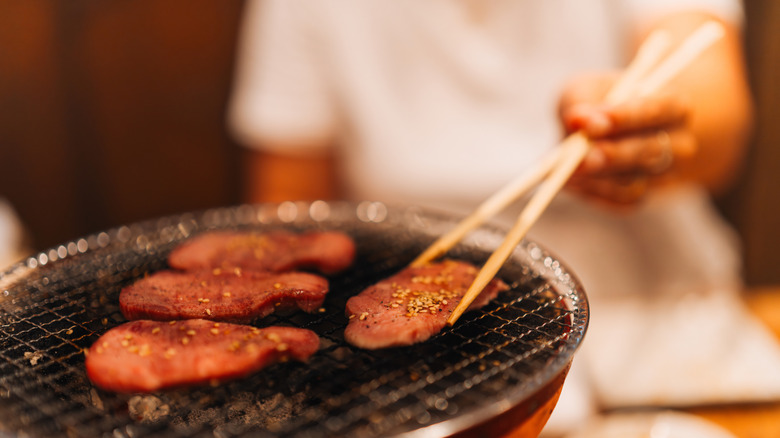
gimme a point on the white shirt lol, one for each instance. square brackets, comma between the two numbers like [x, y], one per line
[434, 109]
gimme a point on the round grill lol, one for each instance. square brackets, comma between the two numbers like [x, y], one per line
[55, 305]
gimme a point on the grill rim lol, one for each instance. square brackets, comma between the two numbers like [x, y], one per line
[558, 273]
[581, 316]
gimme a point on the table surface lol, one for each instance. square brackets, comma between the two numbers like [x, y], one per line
[758, 420]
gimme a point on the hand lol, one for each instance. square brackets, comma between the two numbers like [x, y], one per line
[635, 145]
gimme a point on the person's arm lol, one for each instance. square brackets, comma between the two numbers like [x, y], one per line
[282, 109]
[703, 120]
[275, 177]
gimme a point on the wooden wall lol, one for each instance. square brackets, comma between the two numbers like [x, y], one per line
[112, 111]
[754, 205]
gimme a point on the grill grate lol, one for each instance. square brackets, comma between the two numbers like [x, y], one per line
[58, 303]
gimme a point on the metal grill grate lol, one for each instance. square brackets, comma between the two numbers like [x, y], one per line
[58, 303]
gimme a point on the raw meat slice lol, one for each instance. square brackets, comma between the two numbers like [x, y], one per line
[412, 305]
[219, 295]
[146, 356]
[327, 251]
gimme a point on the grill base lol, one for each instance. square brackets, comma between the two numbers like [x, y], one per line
[511, 353]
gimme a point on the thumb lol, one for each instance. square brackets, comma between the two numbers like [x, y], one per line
[581, 98]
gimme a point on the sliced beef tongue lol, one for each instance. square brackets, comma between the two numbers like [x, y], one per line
[146, 356]
[412, 305]
[220, 295]
[326, 251]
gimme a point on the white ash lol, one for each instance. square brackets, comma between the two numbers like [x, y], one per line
[33, 357]
[147, 408]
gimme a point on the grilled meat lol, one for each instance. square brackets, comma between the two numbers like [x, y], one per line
[327, 251]
[146, 356]
[412, 305]
[220, 295]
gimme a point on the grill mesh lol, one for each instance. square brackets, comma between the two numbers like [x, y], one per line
[55, 305]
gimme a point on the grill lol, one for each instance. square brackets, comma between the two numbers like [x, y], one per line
[54, 305]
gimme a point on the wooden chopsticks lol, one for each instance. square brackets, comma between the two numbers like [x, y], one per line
[645, 74]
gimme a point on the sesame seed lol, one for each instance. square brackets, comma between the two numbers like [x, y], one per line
[185, 341]
[155, 330]
[215, 331]
[363, 316]
[191, 332]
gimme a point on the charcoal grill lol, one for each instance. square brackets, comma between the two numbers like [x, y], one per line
[55, 304]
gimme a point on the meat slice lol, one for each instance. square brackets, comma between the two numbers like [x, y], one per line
[219, 295]
[412, 305]
[327, 251]
[146, 356]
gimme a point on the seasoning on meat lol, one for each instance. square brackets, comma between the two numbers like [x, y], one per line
[412, 305]
[136, 357]
[327, 251]
[220, 295]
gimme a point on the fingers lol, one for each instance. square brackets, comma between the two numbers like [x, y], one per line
[618, 191]
[663, 158]
[648, 153]
[635, 144]
[599, 120]
[639, 114]
[621, 171]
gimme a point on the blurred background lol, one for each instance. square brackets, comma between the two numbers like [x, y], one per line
[113, 111]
